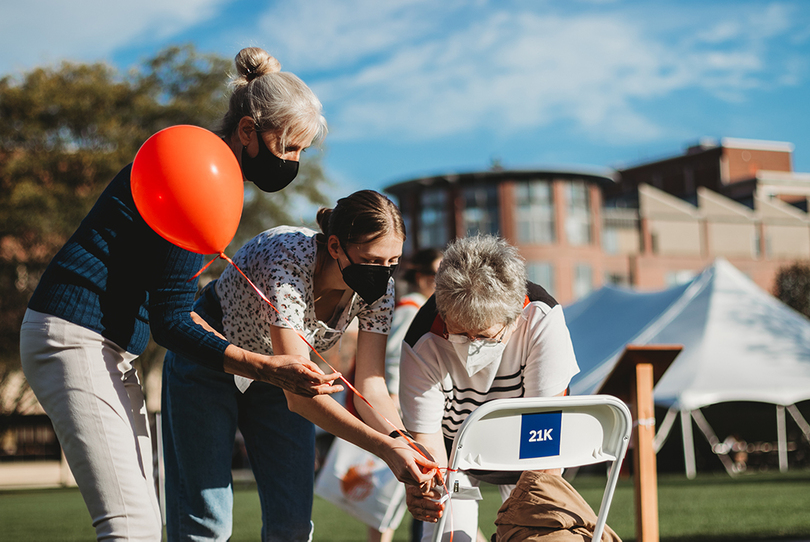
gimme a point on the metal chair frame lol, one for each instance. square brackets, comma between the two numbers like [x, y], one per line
[543, 433]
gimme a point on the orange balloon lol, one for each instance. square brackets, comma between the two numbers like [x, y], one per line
[187, 185]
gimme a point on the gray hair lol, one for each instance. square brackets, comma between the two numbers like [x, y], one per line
[275, 100]
[481, 282]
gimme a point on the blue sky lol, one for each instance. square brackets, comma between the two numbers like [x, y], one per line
[424, 87]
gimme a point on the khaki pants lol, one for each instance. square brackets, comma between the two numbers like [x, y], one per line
[91, 392]
[545, 508]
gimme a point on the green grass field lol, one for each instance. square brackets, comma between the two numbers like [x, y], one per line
[761, 507]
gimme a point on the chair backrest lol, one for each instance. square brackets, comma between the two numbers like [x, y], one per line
[536, 433]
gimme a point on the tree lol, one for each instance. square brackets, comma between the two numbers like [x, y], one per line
[792, 286]
[64, 134]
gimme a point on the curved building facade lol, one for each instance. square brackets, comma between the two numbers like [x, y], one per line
[554, 217]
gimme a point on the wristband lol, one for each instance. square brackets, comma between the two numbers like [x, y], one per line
[396, 433]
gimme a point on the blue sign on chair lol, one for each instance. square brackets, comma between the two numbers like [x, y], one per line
[540, 434]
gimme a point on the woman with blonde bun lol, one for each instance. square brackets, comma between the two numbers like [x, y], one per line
[91, 315]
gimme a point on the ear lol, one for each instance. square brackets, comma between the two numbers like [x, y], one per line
[333, 245]
[245, 130]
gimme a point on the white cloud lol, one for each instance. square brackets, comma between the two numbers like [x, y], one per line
[34, 32]
[420, 69]
[774, 20]
[722, 31]
[336, 35]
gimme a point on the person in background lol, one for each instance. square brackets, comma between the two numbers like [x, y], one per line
[419, 276]
[487, 333]
[116, 279]
[320, 283]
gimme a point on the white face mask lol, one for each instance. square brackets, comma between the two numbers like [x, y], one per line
[475, 355]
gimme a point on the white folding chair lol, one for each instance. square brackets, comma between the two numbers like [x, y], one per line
[543, 433]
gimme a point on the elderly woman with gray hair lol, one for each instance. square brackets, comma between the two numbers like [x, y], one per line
[487, 333]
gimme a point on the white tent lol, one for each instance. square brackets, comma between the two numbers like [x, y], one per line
[740, 344]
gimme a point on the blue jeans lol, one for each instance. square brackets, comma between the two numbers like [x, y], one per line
[201, 410]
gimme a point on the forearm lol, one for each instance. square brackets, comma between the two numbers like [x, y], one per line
[200, 321]
[291, 373]
[192, 341]
[376, 392]
[238, 361]
[433, 443]
[328, 414]
[370, 382]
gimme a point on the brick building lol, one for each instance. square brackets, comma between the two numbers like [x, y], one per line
[649, 226]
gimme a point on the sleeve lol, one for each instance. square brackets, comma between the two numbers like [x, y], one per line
[285, 280]
[399, 326]
[420, 389]
[170, 305]
[377, 316]
[550, 363]
[275, 262]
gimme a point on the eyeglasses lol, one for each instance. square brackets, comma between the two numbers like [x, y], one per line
[464, 338]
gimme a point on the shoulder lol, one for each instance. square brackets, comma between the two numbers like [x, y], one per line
[288, 236]
[118, 194]
[541, 309]
[293, 243]
[423, 322]
[537, 293]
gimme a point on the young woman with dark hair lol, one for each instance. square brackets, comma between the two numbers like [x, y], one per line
[319, 282]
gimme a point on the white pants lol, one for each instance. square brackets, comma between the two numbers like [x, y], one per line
[462, 515]
[91, 392]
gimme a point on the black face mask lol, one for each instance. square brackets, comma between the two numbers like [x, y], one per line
[369, 281]
[267, 171]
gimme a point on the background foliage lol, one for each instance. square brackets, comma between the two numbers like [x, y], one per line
[792, 286]
[66, 131]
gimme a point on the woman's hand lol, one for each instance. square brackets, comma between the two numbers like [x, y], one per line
[424, 505]
[290, 372]
[298, 375]
[409, 465]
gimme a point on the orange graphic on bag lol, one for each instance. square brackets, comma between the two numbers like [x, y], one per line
[358, 483]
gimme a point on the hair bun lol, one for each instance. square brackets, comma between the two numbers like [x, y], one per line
[253, 62]
[323, 216]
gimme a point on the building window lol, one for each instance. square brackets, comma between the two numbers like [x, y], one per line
[407, 218]
[481, 211]
[617, 279]
[535, 212]
[578, 215]
[583, 280]
[681, 276]
[541, 273]
[433, 218]
[610, 240]
[619, 225]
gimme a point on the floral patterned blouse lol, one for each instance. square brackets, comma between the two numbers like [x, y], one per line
[281, 263]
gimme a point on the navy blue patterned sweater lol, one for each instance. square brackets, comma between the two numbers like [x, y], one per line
[117, 276]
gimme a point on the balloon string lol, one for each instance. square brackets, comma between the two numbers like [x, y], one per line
[200, 272]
